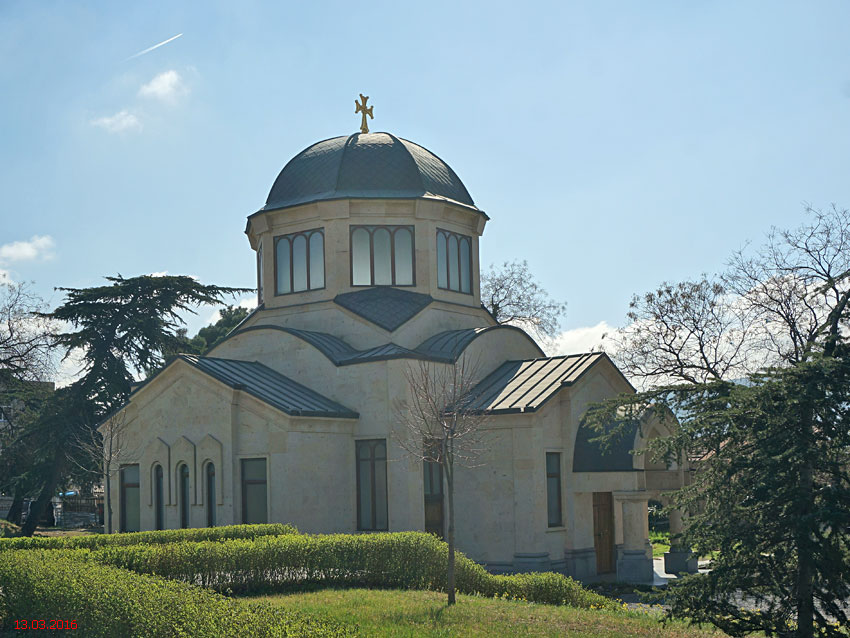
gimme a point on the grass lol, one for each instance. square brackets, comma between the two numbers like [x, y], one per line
[660, 543]
[420, 614]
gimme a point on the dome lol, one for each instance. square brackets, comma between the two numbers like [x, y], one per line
[365, 166]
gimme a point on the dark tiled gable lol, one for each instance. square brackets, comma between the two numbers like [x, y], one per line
[386, 307]
[270, 386]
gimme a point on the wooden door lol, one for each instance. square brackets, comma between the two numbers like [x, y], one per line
[434, 498]
[603, 531]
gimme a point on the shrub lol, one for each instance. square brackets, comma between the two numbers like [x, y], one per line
[405, 560]
[95, 541]
[106, 602]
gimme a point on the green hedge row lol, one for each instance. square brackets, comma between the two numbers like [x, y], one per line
[106, 602]
[94, 541]
[406, 560]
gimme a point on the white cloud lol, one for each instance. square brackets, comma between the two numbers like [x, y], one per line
[70, 368]
[168, 86]
[584, 339]
[38, 247]
[5, 277]
[121, 122]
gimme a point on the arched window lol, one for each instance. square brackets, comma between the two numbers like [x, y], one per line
[260, 274]
[210, 476]
[454, 261]
[382, 256]
[299, 261]
[158, 498]
[183, 497]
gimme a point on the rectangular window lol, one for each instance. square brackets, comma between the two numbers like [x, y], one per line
[254, 509]
[130, 502]
[454, 261]
[260, 275]
[371, 484]
[382, 256]
[299, 261]
[553, 488]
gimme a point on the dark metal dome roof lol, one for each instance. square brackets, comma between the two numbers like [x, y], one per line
[366, 166]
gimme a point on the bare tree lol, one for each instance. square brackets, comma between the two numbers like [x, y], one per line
[25, 337]
[438, 424]
[104, 448]
[512, 296]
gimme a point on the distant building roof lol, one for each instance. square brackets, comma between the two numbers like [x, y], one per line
[524, 386]
[369, 166]
[270, 386]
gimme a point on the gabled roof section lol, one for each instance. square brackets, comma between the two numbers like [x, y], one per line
[524, 386]
[270, 386]
[384, 306]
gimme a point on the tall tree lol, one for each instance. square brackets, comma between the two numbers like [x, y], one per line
[755, 365]
[513, 296]
[436, 424]
[122, 329]
[25, 344]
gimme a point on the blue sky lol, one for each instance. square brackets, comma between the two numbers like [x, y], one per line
[613, 144]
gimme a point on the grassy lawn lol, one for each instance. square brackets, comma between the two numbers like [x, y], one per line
[415, 614]
[660, 543]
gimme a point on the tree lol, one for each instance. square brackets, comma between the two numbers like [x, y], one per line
[513, 296]
[437, 424]
[210, 336]
[122, 329]
[25, 341]
[755, 365]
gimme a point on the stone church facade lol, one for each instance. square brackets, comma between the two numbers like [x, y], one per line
[367, 260]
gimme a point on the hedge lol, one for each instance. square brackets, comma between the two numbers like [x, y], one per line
[106, 602]
[94, 541]
[405, 560]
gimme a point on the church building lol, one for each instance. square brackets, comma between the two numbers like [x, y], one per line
[367, 253]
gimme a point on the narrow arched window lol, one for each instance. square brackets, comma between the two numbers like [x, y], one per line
[210, 476]
[260, 274]
[454, 261]
[299, 261]
[183, 498]
[382, 256]
[158, 498]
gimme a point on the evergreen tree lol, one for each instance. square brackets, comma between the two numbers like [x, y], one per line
[755, 366]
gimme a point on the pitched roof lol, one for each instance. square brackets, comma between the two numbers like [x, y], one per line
[524, 386]
[384, 306]
[270, 387]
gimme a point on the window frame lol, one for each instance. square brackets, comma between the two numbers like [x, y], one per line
[460, 237]
[372, 473]
[260, 278]
[290, 237]
[123, 485]
[184, 499]
[209, 482]
[392, 228]
[559, 477]
[245, 482]
[159, 497]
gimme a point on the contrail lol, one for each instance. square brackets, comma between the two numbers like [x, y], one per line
[156, 46]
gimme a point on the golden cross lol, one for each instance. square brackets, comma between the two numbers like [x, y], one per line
[361, 108]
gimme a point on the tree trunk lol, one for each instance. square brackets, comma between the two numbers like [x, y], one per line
[17, 506]
[107, 499]
[450, 488]
[805, 575]
[38, 508]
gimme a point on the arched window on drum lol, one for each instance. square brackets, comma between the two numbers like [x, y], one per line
[382, 256]
[454, 261]
[299, 261]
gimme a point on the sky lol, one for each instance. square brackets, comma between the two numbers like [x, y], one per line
[614, 145]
